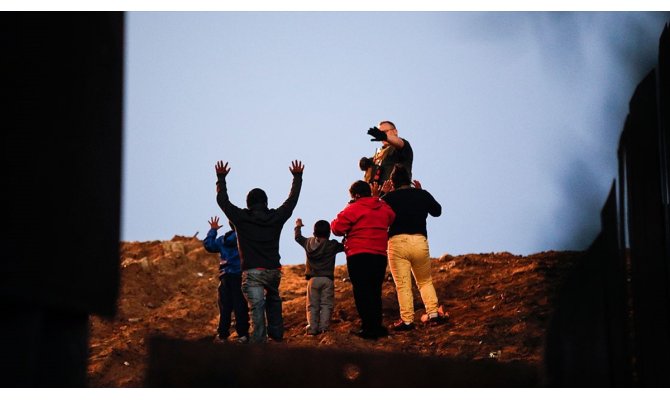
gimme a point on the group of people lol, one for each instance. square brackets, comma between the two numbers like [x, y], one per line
[383, 223]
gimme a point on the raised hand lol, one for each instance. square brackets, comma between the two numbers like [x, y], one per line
[374, 188]
[377, 134]
[417, 184]
[214, 223]
[296, 167]
[221, 168]
[298, 222]
[387, 186]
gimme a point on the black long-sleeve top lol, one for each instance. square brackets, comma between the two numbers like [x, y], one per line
[259, 228]
[411, 207]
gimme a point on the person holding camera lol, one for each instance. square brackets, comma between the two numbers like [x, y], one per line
[394, 150]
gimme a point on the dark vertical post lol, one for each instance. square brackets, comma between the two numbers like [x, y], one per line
[62, 75]
[651, 301]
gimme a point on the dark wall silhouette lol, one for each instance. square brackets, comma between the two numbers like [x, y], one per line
[612, 324]
[62, 75]
[179, 363]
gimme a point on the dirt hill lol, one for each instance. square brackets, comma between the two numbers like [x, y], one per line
[499, 306]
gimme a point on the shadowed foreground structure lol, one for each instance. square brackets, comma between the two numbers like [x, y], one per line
[176, 363]
[62, 77]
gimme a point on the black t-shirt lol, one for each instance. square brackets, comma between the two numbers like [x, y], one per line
[411, 207]
[404, 156]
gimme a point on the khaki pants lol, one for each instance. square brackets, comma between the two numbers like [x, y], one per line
[409, 255]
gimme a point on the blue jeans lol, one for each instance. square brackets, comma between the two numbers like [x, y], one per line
[261, 288]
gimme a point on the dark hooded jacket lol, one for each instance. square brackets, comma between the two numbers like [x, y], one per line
[259, 228]
[320, 253]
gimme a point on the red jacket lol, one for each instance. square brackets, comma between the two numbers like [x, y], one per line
[364, 223]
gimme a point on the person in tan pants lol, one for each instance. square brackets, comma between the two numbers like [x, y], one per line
[408, 251]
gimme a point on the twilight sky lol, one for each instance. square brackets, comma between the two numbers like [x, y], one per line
[514, 118]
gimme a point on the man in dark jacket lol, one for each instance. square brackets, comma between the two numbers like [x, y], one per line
[258, 232]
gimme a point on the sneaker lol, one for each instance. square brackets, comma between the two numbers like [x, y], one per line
[401, 325]
[219, 339]
[311, 332]
[438, 320]
[243, 339]
[435, 318]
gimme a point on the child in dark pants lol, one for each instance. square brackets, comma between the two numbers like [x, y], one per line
[320, 273]
[230, 296]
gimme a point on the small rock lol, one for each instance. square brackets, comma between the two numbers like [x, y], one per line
[144, 263]
[445, 257]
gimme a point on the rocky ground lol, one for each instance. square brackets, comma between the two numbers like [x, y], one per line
[499, 306]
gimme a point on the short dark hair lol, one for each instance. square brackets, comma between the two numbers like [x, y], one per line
[360, 188]
[322, 229]
[400, 176]
[387, 122]
[256, 196]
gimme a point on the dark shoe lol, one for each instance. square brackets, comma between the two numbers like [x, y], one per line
[243, 339]
[438, 318]
[435, 320]
[219, 339]
[381, 332]
[363, 334]
[402, 326]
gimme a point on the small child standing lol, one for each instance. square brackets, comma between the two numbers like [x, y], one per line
[320, 273]
[230, 297]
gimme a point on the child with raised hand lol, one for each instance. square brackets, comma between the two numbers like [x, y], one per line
[320, 274]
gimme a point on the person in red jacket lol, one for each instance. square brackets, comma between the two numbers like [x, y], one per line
[364, 223]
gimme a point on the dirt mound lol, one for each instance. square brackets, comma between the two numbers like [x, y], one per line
[499, 306]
